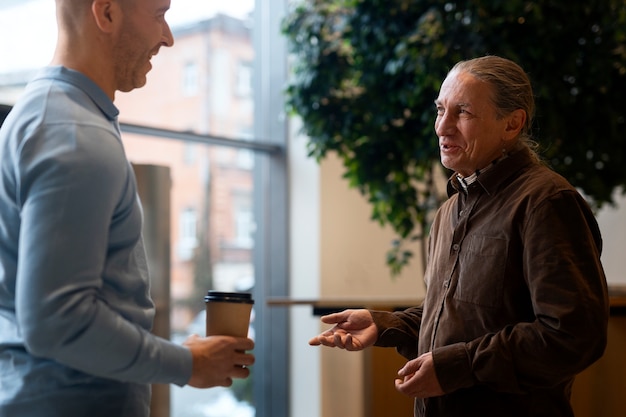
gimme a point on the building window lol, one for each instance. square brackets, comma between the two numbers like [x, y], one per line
[244, 219]
[188, 239]
[245, 159]
[190, 79]
[244, 79]
[190, 151]
[221, 83]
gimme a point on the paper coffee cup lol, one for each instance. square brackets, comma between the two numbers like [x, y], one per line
[228, 313]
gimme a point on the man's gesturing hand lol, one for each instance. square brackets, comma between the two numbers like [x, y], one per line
[352, 330]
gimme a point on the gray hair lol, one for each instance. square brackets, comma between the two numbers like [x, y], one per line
[511, 89]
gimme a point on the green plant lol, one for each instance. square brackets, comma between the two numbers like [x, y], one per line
[366, 72]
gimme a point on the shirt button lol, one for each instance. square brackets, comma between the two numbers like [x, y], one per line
[455, 247]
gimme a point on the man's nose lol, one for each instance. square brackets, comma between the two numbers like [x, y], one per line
[444, 124]
[168, 37]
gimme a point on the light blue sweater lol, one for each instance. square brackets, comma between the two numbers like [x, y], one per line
[75, 309]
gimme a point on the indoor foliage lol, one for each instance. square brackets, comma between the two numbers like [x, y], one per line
[366, 73]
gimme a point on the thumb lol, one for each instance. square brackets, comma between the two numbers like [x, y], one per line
[334, 318]
[409, 368]
[191, 338]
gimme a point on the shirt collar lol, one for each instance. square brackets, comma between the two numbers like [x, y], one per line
[492, 178]
[464, 182]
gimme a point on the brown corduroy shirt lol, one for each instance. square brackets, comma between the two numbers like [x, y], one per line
[516, 302]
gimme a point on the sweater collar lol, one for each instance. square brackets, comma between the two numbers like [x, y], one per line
[85, 83]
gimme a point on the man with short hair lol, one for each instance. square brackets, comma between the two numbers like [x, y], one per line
[75, 310]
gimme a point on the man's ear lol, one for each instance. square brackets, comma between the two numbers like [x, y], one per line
[106, 14]
[515, 123]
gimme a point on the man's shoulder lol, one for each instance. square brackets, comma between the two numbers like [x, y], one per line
[541, 179]
[60, 95]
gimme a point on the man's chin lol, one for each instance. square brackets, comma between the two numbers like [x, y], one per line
[136, 84]
[448, 163]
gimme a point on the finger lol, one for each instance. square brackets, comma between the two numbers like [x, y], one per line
[328, 341]
[352, 343]
[322, 339]
[409, 368]
[400, 386]
[315, 341]
[337, 340]
[404, 371]
[240, 372]
[349, 343]
[318, 340]
[245, 360]
[243, 344]
[404, 386]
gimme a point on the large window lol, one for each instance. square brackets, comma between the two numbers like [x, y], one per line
[210, 113]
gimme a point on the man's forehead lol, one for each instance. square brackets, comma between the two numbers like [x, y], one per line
[463, 89]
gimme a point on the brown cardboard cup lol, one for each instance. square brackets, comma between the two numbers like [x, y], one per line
[228, 313]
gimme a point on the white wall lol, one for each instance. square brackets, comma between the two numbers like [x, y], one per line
[352, 266]
[304, 267]
[612, 221]
[336, 251]
[354, 247]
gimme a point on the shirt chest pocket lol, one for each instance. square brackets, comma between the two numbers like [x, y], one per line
[481, 269]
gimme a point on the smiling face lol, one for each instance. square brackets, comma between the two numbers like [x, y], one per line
[144, 30]
[470, 133]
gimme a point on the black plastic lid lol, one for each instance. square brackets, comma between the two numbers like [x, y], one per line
[229, 297]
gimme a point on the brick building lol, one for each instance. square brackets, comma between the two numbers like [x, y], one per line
[202, 85]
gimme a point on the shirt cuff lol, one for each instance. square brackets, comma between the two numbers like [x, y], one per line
[177, 364]
[453, 367]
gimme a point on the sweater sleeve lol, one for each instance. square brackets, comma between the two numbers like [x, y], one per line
[82, 287]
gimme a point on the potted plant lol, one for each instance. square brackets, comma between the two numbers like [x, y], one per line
[366, 73]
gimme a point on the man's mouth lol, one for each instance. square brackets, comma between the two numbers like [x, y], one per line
[449, 148]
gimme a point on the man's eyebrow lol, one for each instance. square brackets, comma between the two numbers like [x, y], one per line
[461, 104]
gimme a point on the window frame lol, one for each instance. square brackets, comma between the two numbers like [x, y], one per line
[272, 384]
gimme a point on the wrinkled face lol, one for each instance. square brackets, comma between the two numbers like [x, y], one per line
[144, 30]
[470, 134]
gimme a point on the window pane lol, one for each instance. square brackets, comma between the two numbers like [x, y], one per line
[196, 86]
[211, 237]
